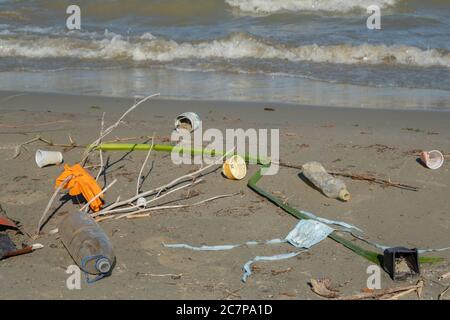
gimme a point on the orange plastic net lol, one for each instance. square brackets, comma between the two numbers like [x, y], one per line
[81, 183]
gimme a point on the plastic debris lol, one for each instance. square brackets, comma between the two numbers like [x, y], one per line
[44, 158]
[433, 159]
[305, 234]
[189, 121]
[330, 186]
[235, 168]
[401, 263]
[88, 244]
[81, 183]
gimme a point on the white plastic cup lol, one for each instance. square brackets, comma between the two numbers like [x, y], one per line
[45, 158]
[141, 203]
[433, 159]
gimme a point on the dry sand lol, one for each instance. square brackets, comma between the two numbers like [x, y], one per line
[376, 141]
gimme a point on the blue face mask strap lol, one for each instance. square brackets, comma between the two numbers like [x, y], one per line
[84, 261]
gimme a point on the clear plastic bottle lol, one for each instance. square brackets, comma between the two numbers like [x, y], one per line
[330, 186]
[87, 243]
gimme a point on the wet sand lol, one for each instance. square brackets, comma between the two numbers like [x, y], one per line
[382, 142]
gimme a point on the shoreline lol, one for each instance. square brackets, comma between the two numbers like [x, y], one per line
[6, 95]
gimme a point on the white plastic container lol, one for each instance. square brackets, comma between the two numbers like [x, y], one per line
[188, 120]
[433, 159]
[45, 158]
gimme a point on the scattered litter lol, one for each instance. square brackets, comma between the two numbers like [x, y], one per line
[46, 158]
[141, 203]
[401, 263]
[189, 121]
[235, 168]
[247, 266]
[308, 233]
[432, 159]
[7, 223]
[81, 183]
[331, 187]
[8, 248]
[88, 245]
[305, 234]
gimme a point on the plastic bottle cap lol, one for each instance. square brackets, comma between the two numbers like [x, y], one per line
[103, 265]
[344, 195]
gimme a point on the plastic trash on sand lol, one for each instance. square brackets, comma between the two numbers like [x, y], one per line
[81, 183]
[308, 233]
[330, 186]
[189, 121]
[305, 234]
[433, 159]
[235, 168]
[401, 263]
[88, 244]
[44, 158]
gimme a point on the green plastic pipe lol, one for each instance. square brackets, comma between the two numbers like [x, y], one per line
[372, 256]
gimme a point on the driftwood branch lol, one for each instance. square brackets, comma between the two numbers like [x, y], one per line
[58, 189]
[361, 177]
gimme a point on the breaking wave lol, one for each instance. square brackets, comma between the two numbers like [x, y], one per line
[272, 6]
[148, 48]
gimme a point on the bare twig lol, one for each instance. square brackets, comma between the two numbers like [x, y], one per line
[58, 189]
[152, 200]
[442, 294]
[138, 185]
[361, 177]
[100, 152]
[381, 293]
[141, 214]
[86, 206]
[108, 130]
[160, 189]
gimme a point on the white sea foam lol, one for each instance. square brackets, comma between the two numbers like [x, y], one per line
[236, 46]
[271, 6]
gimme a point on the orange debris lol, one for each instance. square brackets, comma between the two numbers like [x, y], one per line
[81, 183]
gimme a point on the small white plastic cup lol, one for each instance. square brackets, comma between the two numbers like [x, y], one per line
[45, 158]
[141, 203]
[190, 118]
[433, 159]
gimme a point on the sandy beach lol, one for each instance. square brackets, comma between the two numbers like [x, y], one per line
[384, 143]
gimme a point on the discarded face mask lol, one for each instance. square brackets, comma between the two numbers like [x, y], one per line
[305, 234]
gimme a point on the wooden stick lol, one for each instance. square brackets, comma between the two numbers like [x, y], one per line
[100, 151]
[443, 293]
[98, 195]
[379, 293]
[138, 185]
[160, 189]
[154, 199]
[108, 130]
[58, 189]
[361, 177]
[140, 214]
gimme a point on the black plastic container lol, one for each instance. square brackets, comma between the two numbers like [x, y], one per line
[404, 256]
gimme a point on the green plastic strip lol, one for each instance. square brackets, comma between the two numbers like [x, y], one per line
[372, 256]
